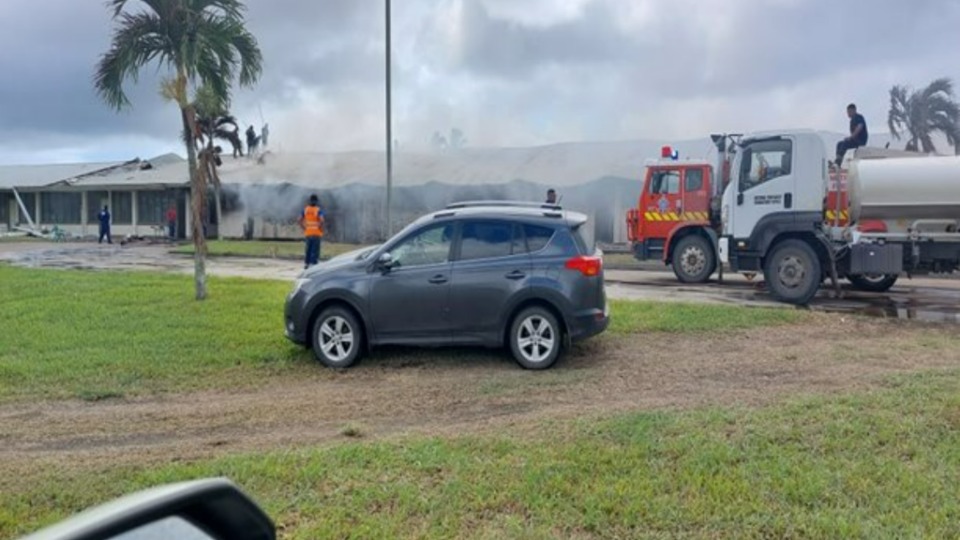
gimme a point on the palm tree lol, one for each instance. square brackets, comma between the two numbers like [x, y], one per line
[213, 122]
[203, 43]
[918, 114]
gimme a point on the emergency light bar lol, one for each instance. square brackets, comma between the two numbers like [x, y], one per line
[669, 153]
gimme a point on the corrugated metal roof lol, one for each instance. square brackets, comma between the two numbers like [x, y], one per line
[557, 165]
[35, 176]
[165, 170]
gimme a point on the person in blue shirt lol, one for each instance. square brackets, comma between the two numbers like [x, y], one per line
[858, 134]
[104, 218]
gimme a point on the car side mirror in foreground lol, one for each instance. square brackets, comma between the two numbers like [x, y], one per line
[209, 509]
[386, 261]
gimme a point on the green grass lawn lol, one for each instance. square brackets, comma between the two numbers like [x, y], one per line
[629, 317]
[882, 464]
[103, 334]
[108, 334]
[276, 249]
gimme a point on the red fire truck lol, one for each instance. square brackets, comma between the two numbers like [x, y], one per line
[678, 214]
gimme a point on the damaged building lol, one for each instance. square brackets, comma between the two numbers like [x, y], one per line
[262, 198]
[69, 196]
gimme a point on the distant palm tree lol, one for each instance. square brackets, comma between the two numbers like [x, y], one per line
[201, 43]
[213, 122]
[918, 114]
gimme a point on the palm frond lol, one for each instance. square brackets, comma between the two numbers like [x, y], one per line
[942, 85]
[137, 41]
[897, 116]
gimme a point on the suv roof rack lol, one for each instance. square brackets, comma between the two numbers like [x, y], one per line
[513, 204]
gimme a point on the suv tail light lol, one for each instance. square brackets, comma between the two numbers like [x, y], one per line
[588, 266]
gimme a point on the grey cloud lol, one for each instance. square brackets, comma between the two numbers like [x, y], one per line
[509, 81]
[48, 69]
[774, 44]
[510, 49]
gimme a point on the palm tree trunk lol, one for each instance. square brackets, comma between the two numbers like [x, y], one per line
[197, 197]
[211, 174]
[219, 216]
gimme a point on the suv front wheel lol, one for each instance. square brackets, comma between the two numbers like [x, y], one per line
[535, 338]
[337, 338]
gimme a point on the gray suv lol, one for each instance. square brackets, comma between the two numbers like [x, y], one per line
[510, 275]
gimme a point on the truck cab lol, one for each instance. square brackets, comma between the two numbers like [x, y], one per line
[778, 185]
[675, 204]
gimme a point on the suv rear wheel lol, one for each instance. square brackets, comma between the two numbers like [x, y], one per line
[535, 338]
[337, 338]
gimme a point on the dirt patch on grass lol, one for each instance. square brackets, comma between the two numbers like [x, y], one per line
[397, 392]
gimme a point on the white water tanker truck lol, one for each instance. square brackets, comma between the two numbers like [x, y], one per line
[774, 216]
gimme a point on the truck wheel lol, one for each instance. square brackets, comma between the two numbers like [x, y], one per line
[793, 272]
[693, 259]
[873, 282]
[337, 338]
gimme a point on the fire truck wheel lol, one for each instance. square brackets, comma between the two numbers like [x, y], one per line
[873, 283]
[693, 259]
[792, 272]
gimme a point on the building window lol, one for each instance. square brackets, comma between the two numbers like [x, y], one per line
[96, 200]
[121, 207]
[152, 206]
[5, 209]
[30, 201]
[61, 208]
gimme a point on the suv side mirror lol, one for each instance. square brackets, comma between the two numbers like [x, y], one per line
[386, 262]
[209, 509]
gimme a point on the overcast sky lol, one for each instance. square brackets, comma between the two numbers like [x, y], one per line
[506, 72]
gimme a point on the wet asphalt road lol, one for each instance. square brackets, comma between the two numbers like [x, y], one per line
[926, 299]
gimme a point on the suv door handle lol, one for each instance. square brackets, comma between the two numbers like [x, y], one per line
[438, 279]
[516, 274]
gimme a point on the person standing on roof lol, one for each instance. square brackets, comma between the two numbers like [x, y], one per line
[551, 196]
[104, 218]
[312, 221]
[858, 134]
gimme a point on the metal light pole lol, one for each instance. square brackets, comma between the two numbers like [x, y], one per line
[389, 130]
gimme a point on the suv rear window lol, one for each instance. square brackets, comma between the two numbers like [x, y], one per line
[486, 240]
[584, 241]
[537, 237]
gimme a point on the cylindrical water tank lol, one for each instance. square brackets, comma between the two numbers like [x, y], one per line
[905, 188]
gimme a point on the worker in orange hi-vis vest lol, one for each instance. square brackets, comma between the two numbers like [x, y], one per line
[312, 221]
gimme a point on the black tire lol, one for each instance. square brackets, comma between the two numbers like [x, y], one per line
[337, 338]
[693, 259]
[535, 338]
[793, 272]
[878, 283]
